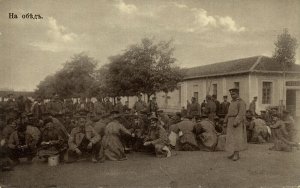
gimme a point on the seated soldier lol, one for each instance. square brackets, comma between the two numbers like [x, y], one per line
[52, 142]
[259, 131]
[280, 136]
[157, 138]
[9, 129]
[68, 122]
[163, 119]
[249, 125]
[83, 141]
[206, 134]
[186, 137]
[5, 163]
[57, 123]
[22, 144]
[290, 125]
[112, 147]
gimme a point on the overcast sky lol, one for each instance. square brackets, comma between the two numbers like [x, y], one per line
[204, 32]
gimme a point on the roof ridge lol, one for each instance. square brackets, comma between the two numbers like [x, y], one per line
[256, 63]
[224, 62]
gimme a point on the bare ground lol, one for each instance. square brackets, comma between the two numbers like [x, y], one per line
[258, 167]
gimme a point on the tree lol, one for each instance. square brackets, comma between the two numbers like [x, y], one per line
[285, 49]
[75, 79]
[147, 67]
[46, 87]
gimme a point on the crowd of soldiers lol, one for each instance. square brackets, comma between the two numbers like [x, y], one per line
[102, 130]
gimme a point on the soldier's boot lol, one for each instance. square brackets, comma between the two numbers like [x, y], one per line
[236, 156]
[231, 156]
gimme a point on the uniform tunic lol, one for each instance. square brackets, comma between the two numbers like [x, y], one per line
[207, 134]
[139, 106]
[187, 141]
[159, 139]
[236, 138]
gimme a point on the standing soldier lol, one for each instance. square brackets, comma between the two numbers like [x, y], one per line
[99, 107]
[194, 109]
[214, 98]
[119, 106]
[38, 108]
[108, 106]
[210, 108]
[153, 107]
[11, 107]
[252, 106]
[69, 106]
[224, 107]
[236, 138]
[81, 105]
[139, 105]
[55, 106]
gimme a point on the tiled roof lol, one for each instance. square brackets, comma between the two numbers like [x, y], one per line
[239, 66]
[268, 64]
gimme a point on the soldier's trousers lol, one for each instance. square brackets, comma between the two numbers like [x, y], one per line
[94, 152]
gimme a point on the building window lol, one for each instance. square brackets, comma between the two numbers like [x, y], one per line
[215, 90]
[196, 95]
[179, 94]
[237, 85]
[266, 92]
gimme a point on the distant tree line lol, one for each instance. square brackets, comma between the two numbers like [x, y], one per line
[147, 67]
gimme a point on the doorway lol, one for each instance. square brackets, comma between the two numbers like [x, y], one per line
[291, 101]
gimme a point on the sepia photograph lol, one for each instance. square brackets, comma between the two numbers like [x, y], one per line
[149, 93]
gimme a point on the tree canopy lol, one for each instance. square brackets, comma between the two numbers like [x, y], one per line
[147, 67]
[285, 49]
[74, 80]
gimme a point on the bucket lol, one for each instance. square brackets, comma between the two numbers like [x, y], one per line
[53, 160]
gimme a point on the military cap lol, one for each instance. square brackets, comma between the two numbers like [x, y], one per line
[234, 90]
[114, 112]
[46, 113]
[81, 114]
[160, 111]
[285, 112]
[225, 96]
[153, 117]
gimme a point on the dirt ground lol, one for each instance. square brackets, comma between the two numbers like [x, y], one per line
[258, 167]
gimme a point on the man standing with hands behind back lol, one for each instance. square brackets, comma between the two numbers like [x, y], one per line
[236, 138]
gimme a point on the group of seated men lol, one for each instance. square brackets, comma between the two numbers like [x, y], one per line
[109, 136]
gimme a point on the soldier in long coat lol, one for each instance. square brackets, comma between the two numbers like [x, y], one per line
[236, 138]
[112, 147]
